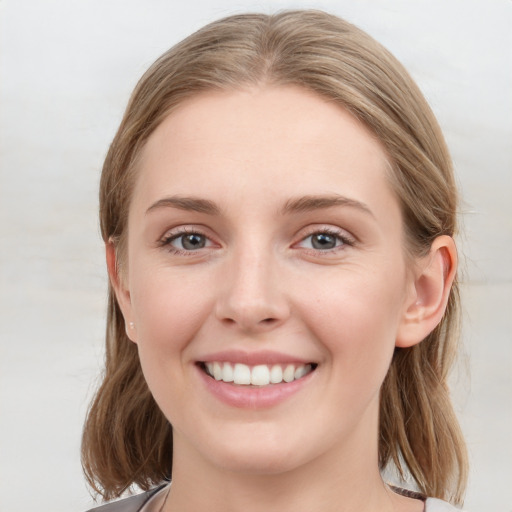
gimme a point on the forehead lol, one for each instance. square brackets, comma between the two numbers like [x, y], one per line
[270, 142]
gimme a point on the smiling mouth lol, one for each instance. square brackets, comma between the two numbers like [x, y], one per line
[257, 375]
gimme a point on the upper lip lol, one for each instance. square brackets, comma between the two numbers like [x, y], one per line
[252, 358]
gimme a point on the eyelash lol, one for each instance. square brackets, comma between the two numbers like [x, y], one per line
[340, 235]
[166, 241]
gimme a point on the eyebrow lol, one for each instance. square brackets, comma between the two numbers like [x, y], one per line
[309, 203]
[301, 204]
[194, 204]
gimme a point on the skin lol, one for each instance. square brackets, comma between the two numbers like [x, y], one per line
[259, 283]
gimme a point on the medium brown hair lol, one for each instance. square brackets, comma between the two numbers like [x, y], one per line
[127, 440]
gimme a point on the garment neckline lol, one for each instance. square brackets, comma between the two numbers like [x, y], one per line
[159, 497]
[407, 493]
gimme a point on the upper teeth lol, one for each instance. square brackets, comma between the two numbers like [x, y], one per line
[259, 375]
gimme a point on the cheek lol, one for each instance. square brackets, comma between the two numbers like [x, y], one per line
[356, 321]
[168, 312]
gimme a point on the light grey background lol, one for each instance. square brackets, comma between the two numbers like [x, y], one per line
[66, 70]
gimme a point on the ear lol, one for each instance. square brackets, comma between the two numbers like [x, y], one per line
[120, 289]
[426, 304]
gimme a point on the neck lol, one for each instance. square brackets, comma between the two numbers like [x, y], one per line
[342, 480]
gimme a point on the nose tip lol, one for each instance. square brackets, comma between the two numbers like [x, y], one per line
[251, 319]
[251, 300]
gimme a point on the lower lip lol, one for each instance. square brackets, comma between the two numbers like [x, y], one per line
[251, 397]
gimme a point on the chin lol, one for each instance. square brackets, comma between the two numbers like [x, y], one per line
[263, 464]
[256, 458]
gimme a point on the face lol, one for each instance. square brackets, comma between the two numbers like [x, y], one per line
[265, 278]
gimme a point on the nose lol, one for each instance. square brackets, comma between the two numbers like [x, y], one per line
[251, 296]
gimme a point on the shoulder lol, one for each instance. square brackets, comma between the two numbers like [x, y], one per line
[131, 504]
[435, 505]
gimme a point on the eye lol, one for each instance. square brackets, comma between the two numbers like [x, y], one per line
[325, 240]
[185, 241]
[189, 242]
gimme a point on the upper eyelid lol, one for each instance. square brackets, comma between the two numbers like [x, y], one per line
[332, 230]
[177, 231]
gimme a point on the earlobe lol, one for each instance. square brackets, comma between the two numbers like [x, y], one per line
[431, 290]
[120, 289]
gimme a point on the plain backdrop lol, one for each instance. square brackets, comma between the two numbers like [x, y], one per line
[67, 68]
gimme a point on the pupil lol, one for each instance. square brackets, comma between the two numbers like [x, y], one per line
[193, 241]
[323, 241]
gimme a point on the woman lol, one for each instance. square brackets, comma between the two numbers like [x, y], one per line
[278, 208]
